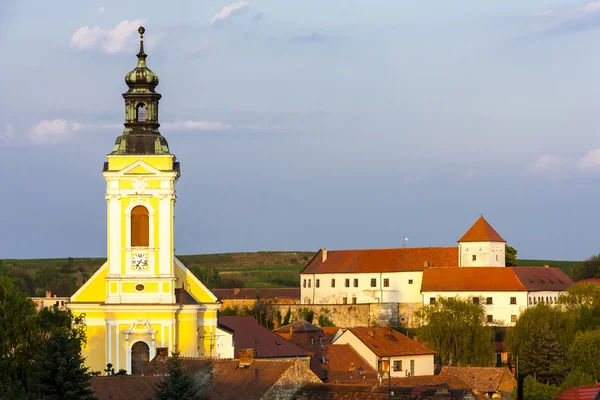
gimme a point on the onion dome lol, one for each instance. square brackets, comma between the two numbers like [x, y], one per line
[141, 77]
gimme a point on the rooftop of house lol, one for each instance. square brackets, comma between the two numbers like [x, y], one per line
[255, 293]
[343, 364]
[124, 387]
[509, 279]
[249, 334]
[481, 231]
[385, 342]
[300, 326]
[381, 260]
[484, 379]
[590, 280]
[580, 393]
[343, 392]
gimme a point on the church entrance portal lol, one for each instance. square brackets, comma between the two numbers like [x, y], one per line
[140, 357]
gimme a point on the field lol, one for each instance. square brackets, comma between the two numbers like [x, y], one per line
[258, 269]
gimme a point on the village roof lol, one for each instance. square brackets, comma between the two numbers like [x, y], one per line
[342, 392]
[343, 364]
[387, 342]
[382, 260]
[580, 393]
[449, 381]
[254, 293]
[124, 387]
[484, 379]
[300, 326]
[543, 278]
[249, 334]
[499, 279]
[481, 231]
[590, 280]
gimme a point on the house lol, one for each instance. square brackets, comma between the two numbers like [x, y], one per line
[357, 392]
[217, 379]
[249, 334]
[49, 301]
[580, 393]
[384, 347]
[303, 333]
[492, 382]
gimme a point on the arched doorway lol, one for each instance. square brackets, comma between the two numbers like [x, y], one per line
[140, 357]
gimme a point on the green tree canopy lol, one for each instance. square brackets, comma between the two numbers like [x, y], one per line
[207, 275]
[541, 355]
[511, 256]
[456, 328]
[590, 268]
[584, 353]
[534, 390]
[177, 385]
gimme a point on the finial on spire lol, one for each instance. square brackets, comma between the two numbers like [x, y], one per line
[141, 31]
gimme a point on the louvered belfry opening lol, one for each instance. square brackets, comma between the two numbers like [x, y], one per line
[140, 232]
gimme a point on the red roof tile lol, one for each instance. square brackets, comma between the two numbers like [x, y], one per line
[299, 326]
[249, 334]
[347, 392]
[543, 278]
[590, 280]
[579, 393]
[388, 342]
[470, 279]
[252, 293]
[382, 260]
[481, 231]
[484, 379]
[449, 381]
[124, 387]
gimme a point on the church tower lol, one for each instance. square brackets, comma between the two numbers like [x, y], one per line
[143, 298]
[481, 246]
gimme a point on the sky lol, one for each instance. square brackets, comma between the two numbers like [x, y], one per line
[306, 124]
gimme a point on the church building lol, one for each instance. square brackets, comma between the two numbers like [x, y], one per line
[143, 297]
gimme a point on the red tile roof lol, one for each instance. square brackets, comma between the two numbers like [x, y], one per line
[590, 280]
[382, 260]
[579, 393]
[300, 326]
[252, 293]
[449, 381]
[124, 387]
[470, 279]
[484, 379]
[543, 278]
[249, 334]
[347, 392]
[481, 231]
[388, 342]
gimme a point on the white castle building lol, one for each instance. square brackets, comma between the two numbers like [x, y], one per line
[475, 269]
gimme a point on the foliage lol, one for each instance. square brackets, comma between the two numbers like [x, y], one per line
[511, 256]
[541, 355]
[534, 390]
[176, 385]
[456, 328]
[287, 317]
[576, 379]
[590, 268]
[584, 354]
[209, 276]
[583, 302]
[324, 319]
[306, 314]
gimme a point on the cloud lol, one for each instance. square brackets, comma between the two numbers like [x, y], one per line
[312, 38]
[100, 9]
[228, 11]
[116, 40]
[197, 125]
[590, 162]
[48, 132]
[578, 17]
[547, 164]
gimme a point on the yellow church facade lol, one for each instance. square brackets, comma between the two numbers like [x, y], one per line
[143, 298]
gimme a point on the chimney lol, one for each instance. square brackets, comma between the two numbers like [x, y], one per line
[162, 354]
[246, 357]
[236, 291]
[48, 294]
[416, 338]
[324, 255]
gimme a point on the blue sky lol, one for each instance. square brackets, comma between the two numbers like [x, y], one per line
[300, 125]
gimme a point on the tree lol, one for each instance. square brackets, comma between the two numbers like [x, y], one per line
[511, 256]
[588, 269]
[209, 276]
[576, 378]
[59, 371]
[541, 355]
[584, 353]
[583, 301]
[534, 390]
[177, 385]
[456, 328]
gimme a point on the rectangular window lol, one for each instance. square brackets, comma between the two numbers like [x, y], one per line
[317, 283]
[345, 300]
[386, 282]
[412, 367]
[490, 318]
[397, 365]
[354, 300]
[497, 257]
[487, 301]
[432, 300]
[474, 257]
[333, 283]
[347, 283]
[535, 300]
[373, 282]
[356, 283]
[475, 300]
[410, 281]
[309, 281]
[513, 318]
[513, 300]
[304, 283]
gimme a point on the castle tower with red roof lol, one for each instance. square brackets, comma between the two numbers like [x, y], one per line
[481, 246]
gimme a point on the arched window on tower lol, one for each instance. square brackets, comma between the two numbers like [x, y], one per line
[140, 233]
[140, 112]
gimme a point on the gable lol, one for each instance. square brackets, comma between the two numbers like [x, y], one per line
[94, 290]
[139, 170]
[192, 284]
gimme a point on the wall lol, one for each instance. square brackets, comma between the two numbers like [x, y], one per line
[344, 315]
[423, 365]
[548, 297]
[486, 253]
[358, 346]
[225, 347]
[501, 309]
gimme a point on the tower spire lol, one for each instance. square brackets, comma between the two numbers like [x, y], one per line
[141, 55]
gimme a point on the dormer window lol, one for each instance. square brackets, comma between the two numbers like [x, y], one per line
[140, 112]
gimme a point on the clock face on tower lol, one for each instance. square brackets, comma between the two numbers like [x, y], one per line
[139, 261]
